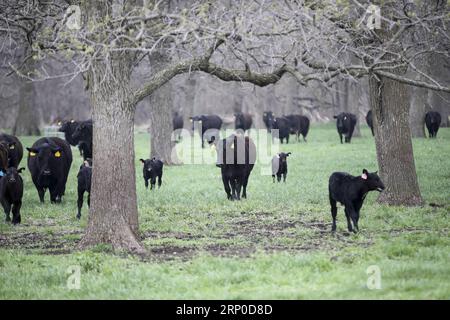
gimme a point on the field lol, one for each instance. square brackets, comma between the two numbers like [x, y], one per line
[276, 244]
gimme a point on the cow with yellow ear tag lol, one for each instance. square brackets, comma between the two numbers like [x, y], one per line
[49, 161]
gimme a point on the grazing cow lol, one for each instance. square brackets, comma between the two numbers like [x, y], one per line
[153, 168]
[283, 126]
[11, 192]
[211, 123]
[49, 161]
[84, 184]
[178, 123]
[83, 134]
[243, 121]
[15, 149]
[279, 166]
[432, 121]
[345, 125]
[236, 156]
[351, 192]
[369, 121]
[298, 125]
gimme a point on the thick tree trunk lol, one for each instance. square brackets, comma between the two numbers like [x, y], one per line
[390, 106]
[161, 127]
[27, 120]
[419, 100]
[113, 216]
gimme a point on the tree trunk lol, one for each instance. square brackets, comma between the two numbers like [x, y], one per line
[419, 100]
[113, 216]
[390, 106]
[161, 127]
[27, 120]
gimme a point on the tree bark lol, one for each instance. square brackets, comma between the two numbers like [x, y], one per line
[390, 108]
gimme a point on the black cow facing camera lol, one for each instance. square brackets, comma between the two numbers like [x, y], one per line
[351, 192]
[345, 125]
[11, 192]
[279, 166]
[432, 121]
[84, 184]
[153, 168]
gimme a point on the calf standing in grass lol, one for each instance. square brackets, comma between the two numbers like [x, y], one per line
[153, 168]
[84, 184]
[11, 192]
[351, 192]
[279, 166]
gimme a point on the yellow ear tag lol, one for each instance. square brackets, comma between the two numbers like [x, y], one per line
[32, 154]
[12, 147]
[57, 154]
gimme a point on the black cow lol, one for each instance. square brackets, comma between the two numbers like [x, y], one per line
[83, 134]
[345, 125]
[279, 166]
[153, 168]
[236, 156]
[209, 124]
[68, 128]
[298, 125]
[243, 121]
[268, 119]
[351, 192]
[178, 124]
[432, 121]
[84, 184]
[11, 192]
[3, 159]
[49, 161]
[15, 149]
[369, 121]
[283, 126]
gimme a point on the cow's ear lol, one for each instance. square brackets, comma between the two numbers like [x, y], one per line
[32, 151]
[364, 174]
[288, 154]
[142, 160]
[20, 170]
[335, 117]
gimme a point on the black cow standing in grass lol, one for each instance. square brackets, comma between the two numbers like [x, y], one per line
[345, 125]
[268, 119]
[210, 125]
[283, 126]
[298, 125]
[351, 192]
[432, 121]
[236, 156]
[369, 121]
[3, 159]
[153, 168]
[83, 134]
[243, 121]
[68, 128]
[11, 192]
[15, 149]
[49, 161]
[279, 166]
[178, 124]
[84, 178]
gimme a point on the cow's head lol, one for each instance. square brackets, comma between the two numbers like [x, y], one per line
[67, 126]
[47, 157]
[283, 156]
[12, 175]
[195, 118]
[80, 131]
[343, 120]
[268, 119]
[148, 164]
[372, 180]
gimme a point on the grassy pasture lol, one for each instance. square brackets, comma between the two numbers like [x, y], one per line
[276, 244]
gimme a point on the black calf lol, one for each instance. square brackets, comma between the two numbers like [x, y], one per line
[279, 166]
[84, 184]
[351, 192]
[11, 192]
[153, 168]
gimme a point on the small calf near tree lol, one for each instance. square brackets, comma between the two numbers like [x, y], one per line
[153, 168]
[84, 184]
[11, 192]
[279, 166]
[351, 192]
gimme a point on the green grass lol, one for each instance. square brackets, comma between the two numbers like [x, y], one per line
[276, 244]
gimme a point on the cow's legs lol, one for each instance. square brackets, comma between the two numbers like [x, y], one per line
[244, 187]
[146, 183]
[152, 183]
[238, 188]
[284, 176]
[41, 192]
[80, 202]
[347, 215]
[7, 209]
[54, 196]
[16, 212]
[340, 137]
[333, 213]
[279, 177]
[273, 177]
[159, 181]
[226, 186]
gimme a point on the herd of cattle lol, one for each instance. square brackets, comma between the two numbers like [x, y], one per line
[50, 159]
